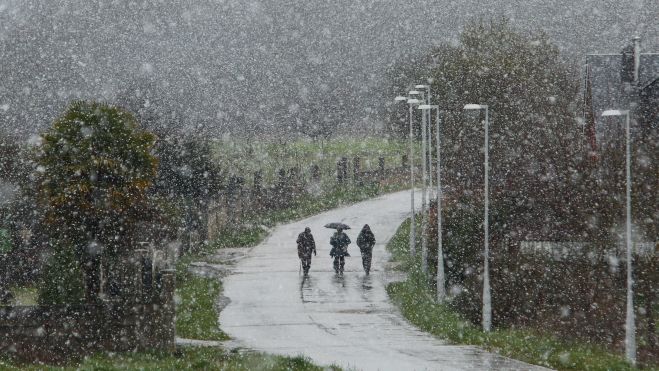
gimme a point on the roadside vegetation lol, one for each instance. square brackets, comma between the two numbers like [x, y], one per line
[196, 317]
[416, 299]
[189, 358]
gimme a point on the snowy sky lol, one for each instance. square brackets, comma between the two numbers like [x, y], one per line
[228, 63]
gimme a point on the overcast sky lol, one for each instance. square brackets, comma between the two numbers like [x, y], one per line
[222, 64]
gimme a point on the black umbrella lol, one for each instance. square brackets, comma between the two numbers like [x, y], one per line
[337, 226]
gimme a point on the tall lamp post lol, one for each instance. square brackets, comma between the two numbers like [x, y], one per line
[429, 123]
[630, 326]
[487, 300]
[411, 103]
[424, 180]
[441, 280]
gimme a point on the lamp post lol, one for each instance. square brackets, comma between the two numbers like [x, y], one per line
[411, 103]
[487, 301]
[424, 180]
[441, 279]
[429, 122]
[630, 326]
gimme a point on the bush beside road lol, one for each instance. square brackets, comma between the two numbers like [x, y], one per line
[415, 297]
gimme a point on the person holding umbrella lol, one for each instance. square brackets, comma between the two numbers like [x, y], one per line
[365, 241]
[339, 242]
[305, 246]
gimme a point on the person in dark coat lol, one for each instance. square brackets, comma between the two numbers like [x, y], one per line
[305, 246]
[339, 242]
[366, 241]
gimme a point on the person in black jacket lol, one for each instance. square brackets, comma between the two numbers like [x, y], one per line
[339, 242]
[305, 246]
[366, 241]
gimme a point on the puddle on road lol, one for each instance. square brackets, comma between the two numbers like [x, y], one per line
[357, 311]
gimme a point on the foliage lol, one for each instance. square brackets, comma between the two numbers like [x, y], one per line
[416, 300]
[187, 167]
[61, 281]
[576, 292]
[192, 358]
[5, 242]
[196, 316]
[241, 236]
[531, 95]
[188, 177]
[534, 138]
[96, 167]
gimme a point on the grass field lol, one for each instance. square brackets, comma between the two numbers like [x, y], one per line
[416, 301]
[24, 295]
[244, 158]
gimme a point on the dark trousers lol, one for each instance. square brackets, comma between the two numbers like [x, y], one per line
[366, 260]
[306, 263]
[339, 262]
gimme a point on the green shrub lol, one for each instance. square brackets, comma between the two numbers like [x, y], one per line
[62, 281]
[5, 242]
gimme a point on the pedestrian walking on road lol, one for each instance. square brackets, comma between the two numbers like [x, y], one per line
[339, 242]
[366, 241]
[305, 247]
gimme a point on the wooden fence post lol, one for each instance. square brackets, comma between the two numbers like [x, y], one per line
[356, 170]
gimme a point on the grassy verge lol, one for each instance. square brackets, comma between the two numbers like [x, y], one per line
[24, 295]
[198, 359]
[244, 236]
[196, 317]
[416, 300]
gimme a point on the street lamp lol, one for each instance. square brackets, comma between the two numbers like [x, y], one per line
[424, 180]
[441, 280]
[411, 103]
[487, 301]
[429, 122]
[424, 224]
[630, 326]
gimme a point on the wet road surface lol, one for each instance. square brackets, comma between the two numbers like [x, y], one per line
[348, 321]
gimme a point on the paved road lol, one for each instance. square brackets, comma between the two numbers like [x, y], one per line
[346, 321]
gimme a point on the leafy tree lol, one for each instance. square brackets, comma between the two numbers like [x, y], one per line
[534, 137]
[61, 279]
[188, 176]
[95, 168]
